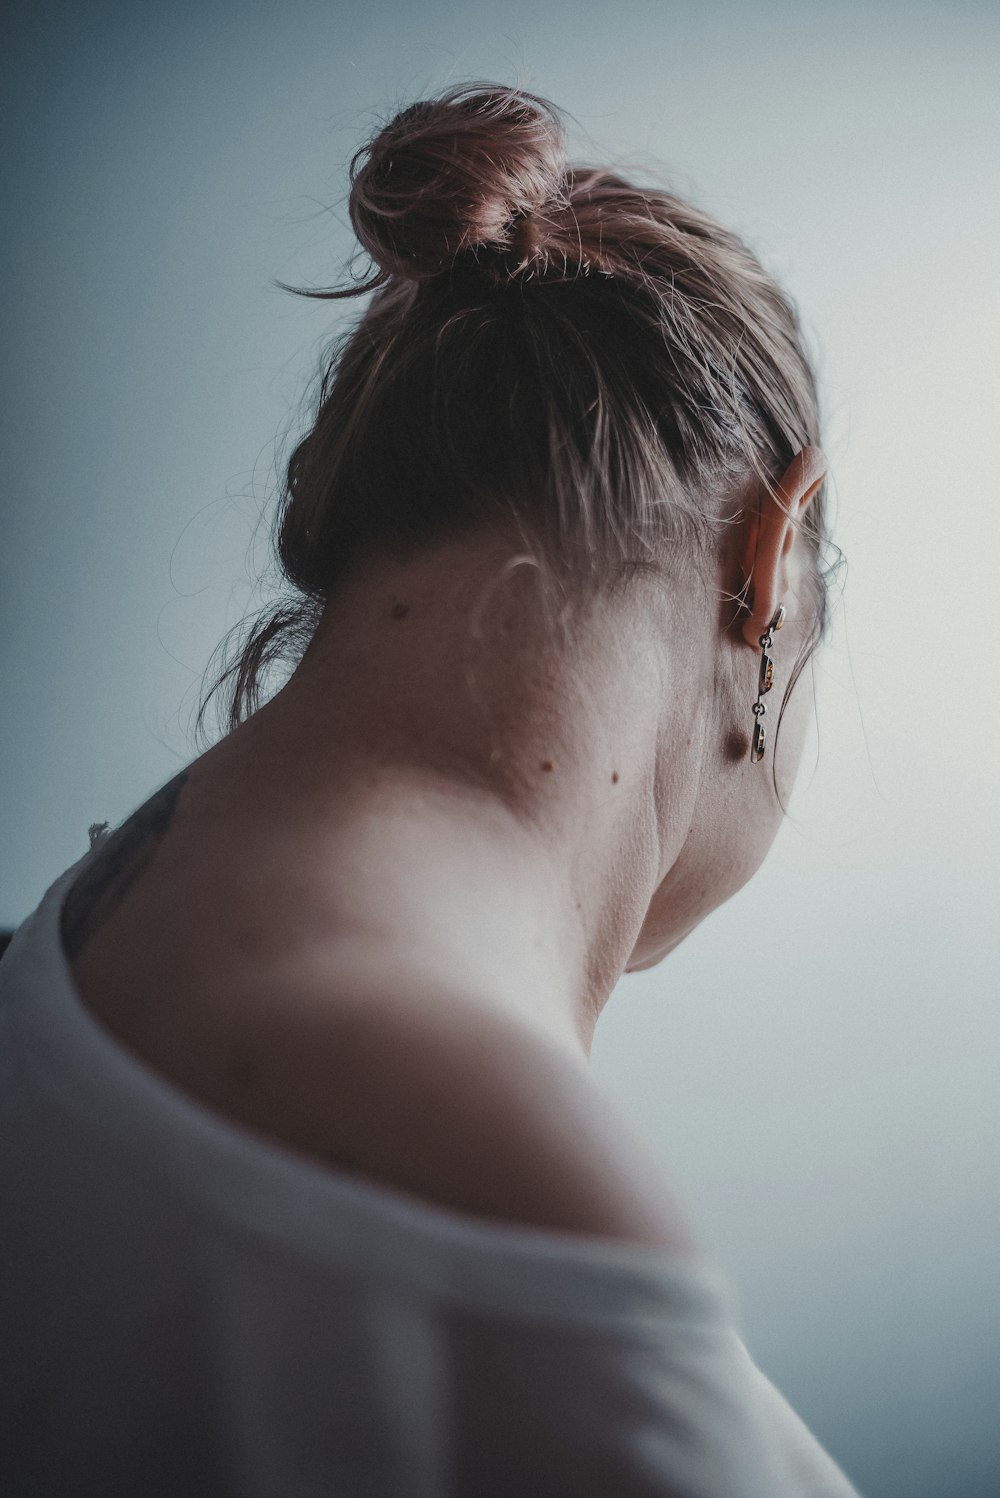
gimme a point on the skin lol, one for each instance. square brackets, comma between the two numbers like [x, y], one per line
[419, 871]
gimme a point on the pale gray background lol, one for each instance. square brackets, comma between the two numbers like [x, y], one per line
[817, 1066]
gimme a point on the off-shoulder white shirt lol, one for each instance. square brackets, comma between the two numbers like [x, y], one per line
[189, 1309]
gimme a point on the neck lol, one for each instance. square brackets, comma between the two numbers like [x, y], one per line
[489, 797]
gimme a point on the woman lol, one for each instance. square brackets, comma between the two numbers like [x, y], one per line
[312, 1189]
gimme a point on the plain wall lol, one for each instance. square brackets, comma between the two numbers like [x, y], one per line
[817, 1065]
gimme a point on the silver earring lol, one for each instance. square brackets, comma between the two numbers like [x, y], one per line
[764, 681]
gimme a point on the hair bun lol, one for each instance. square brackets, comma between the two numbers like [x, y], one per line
[461, 172]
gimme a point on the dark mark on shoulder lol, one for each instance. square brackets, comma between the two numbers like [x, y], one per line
[120, 858]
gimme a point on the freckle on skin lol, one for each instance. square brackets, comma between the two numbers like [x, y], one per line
[547, 764]
[400, 610]
[737, 746]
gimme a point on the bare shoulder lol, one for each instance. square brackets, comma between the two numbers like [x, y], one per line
[456, 1104]
[123, 858]
[385, 1073]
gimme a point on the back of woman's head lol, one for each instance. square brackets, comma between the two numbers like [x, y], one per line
[596, 369]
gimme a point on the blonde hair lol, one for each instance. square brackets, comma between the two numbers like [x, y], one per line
[598, 368]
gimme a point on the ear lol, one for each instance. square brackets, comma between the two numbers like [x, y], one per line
[768, 538]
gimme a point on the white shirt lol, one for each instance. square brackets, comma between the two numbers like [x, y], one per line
[187, 1309]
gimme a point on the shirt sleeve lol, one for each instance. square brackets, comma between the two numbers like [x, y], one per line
[670, 1409]
[810, 1468]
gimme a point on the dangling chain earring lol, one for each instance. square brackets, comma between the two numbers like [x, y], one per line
[764, 682]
